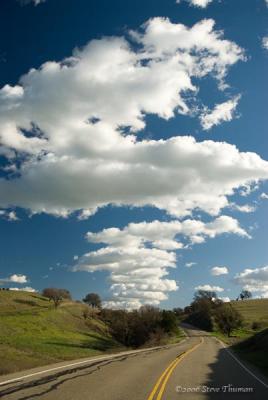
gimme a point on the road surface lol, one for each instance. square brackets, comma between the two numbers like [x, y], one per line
[198, 368]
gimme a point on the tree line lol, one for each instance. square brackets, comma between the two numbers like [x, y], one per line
[151, 324]
[130, 328]
[207, 312]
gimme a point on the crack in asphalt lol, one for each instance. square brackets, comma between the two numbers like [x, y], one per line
[51, 378]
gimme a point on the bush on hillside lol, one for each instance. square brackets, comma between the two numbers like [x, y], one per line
[228, 319]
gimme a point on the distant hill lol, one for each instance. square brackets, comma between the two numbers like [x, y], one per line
[34, 333]
[253, 311]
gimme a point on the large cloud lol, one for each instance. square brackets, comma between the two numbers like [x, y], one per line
[255, 280]
[177, 175]
[138, 256]
[73, 126]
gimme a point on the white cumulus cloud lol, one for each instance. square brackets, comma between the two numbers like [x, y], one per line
[24, 289]
[221, 113]
[216, 271]
[264, 196]
[9, 215]
[197, 3]
[246, 208]
[225, 299]
[139, 256]
[265, 42]
[18, 278]
[209, 288]
[254, 280]
[15, 278]
[80, 140]
[190, 264]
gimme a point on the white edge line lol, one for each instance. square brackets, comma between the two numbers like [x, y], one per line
[89, 361]
[241, 364]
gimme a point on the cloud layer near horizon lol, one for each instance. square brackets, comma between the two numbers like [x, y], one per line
[139, 256]
[254, 280]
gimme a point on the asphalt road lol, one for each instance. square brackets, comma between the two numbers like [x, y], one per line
[198, 368]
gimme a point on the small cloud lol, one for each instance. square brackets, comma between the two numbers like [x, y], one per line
[264, 196]
[217, 271]
[190, 264]
[76, 257]
[12, 216]
[209, 288]
[86, 213]
[225, 299]
[24, 289]
[265, 42]
[9, 215]
[35, 2]
[197, 3]
[16, 278]
[223, 112]
[246, 208]
[254, 279]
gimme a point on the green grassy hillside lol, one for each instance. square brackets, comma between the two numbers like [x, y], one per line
[255, 350]
[253, 311]
[34, 333]
[250, 344]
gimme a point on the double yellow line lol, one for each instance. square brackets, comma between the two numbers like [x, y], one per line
[163, 380]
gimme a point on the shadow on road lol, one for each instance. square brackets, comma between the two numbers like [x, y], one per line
[227, 379]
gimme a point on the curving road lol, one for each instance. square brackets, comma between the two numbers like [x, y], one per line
[200, 367]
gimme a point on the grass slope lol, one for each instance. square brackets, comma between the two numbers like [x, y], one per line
[253, 311]
[249, 344]
[255, 350]
[33, 333]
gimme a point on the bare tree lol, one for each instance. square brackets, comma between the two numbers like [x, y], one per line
[56, 295]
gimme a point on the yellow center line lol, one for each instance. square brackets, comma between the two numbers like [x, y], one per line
[168, 371]
[161, 378]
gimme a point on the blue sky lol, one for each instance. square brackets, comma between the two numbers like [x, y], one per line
[131, 130]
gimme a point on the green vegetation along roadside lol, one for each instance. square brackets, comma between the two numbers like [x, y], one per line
[33, 332]
[250, 341]
[248, 345]
[242, 324]
[253, 311]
